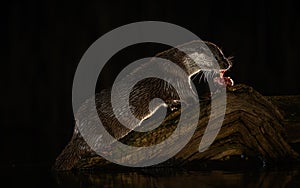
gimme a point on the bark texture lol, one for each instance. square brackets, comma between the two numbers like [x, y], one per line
[255, 128]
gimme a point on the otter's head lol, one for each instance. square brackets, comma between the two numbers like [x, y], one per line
[224, 63]
[198, 57]
[207, 59]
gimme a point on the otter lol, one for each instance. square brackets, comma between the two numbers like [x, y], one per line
[188, 57]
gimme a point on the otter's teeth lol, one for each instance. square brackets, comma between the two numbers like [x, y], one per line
[232, 82]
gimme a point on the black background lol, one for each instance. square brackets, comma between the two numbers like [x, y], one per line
[44, 41]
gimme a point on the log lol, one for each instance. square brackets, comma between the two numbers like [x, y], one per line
[289, 106]
[254, 131]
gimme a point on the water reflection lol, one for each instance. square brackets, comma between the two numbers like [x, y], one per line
[171, 178]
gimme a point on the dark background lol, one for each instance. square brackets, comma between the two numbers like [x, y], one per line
[44, 41]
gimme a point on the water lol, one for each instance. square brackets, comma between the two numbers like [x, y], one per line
[36, 176]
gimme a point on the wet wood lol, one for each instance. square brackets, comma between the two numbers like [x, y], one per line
[289, 106]
[255, 129]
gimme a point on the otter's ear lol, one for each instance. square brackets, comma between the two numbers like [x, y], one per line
[230, 58]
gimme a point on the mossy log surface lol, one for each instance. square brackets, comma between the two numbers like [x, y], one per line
[255, 129]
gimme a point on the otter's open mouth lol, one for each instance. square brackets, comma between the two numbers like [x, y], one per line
[223, 80]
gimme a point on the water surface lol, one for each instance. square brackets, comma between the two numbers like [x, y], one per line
[36, 176]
